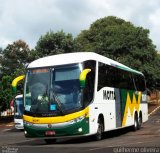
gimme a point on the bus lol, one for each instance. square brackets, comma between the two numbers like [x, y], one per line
[18, 104]
[82, 94]
[18, 112]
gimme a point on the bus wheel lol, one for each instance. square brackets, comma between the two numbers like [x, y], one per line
[100, 129]
[135, 126]
[139, 122]
[50, 141]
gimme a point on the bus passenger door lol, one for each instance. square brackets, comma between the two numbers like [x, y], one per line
[118, 108]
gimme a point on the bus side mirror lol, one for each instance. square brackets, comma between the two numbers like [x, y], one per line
[82, 77]
[15, 82]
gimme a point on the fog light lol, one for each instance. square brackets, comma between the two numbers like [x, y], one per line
[25, 132]
[80, 130]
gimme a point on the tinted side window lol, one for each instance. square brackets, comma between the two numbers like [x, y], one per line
[124, 80]
[140, 82]
[90, 82]
[106, 76]
[101, 75]
[109, 76]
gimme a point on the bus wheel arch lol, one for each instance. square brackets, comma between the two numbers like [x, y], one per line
[100, 130]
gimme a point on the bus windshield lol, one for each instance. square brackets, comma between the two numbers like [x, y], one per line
[53, 91]
[18, 108]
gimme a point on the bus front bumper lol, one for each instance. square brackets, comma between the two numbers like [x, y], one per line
[79, 128]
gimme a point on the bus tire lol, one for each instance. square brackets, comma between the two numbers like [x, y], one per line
[135, 126]
[100, 130]
[139, 121]
[50, 141]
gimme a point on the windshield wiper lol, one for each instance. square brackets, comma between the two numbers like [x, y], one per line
[58, 103]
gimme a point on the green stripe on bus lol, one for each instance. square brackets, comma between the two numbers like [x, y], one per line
[128, 69]
[60, 131]
[124, 93]
[14, 89]
[82, 83]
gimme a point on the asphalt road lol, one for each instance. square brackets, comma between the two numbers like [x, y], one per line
[147, 139]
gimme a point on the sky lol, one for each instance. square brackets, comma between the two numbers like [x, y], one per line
[29, 19]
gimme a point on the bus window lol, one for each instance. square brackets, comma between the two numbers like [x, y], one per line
[88, 91]
[124, 80]
[140, 82]
[106, 76]
[18, 107]
[109, 76]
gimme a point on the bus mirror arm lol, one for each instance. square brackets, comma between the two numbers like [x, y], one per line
[82, 77]
[15, 82]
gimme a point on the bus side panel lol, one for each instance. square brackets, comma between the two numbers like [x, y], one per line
[93, 117]
[104, 103]
[144, 107]
[127, 109]
[132, 102]
[118, 107]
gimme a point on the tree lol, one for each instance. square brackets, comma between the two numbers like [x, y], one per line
[1, 50]
[157, 71]
[6, 92]
[1, 56]
[15, 56]
[13, 60]
[54, 43]
[121, 41]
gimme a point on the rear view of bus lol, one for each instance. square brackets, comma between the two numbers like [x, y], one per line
[18, 112]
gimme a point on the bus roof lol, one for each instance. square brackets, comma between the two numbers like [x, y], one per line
[78, 57]
[19, 96]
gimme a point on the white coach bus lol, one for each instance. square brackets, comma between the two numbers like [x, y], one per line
[80, 94]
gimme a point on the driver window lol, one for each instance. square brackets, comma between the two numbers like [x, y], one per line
[90, 82]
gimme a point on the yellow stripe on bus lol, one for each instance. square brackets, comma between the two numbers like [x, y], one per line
[58, 119]
[131, 105]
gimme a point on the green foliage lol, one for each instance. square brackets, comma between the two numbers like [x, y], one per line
[13, 60]
[54, 43]
[15, 56]
[6, 92]
[122, 41]
[1, 56]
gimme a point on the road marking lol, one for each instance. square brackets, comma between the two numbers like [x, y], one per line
[6, 130]
[154, 111]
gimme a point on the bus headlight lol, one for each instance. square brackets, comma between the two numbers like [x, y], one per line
[27, 123]
[80, 130]
[25, 132]
[79, 119]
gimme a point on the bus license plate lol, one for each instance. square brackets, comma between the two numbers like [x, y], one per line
[50, 133]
